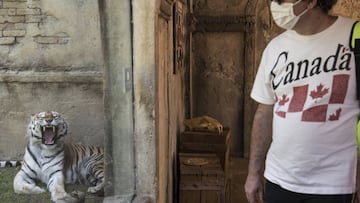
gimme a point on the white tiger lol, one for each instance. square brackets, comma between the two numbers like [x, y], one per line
[48, 159]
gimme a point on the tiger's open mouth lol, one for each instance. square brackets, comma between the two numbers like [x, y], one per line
[48, 135]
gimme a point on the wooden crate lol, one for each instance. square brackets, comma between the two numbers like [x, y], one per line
[207, 142]
[201, 182]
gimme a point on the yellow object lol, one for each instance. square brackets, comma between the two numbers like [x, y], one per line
[355, 37]
[358, 138]
[204, 123]
[355, 34]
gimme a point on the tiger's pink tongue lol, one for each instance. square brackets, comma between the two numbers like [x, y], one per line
[49, 136]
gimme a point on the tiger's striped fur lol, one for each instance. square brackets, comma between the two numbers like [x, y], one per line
[48, 159]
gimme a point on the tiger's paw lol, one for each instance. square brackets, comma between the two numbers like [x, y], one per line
[78, 195]
[38, 190]
[74, 197]
[96, 190]
[28, 189]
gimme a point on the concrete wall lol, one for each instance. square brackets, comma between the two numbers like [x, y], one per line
[144, 13]
[51, 59]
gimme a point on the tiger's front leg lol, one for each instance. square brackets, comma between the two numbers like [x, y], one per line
[56, 186]
[25, 185]
[96, 179]
[57, 189]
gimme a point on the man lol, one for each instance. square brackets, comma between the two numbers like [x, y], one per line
[305, 123]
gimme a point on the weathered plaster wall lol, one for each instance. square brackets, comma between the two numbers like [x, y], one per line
[118, 101]
[50, 33]
[144, 12]
[51, 59]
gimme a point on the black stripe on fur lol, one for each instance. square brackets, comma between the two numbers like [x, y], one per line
[32, 155]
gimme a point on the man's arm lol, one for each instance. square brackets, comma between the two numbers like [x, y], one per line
[261, 137]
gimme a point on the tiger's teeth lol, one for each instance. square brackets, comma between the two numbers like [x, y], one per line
[44, 128]
[53, 129]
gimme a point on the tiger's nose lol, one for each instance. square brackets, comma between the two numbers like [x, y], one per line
[48, 117]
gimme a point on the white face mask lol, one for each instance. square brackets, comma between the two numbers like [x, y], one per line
[283, 14]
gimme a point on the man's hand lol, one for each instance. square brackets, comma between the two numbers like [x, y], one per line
[254, 189]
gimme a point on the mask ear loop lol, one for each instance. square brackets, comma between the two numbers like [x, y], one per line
[302, 13]
[297, 2]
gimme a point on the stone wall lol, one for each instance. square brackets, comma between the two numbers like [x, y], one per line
[51, 59]
[16, 15]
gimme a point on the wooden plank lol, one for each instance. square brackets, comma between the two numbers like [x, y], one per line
[206, 180]
[190, 196]
[211, 197]
[207, 142]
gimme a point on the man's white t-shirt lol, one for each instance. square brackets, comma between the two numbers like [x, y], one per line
[311, 82]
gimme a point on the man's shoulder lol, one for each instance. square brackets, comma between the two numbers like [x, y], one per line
[279, 39]
[345, 20]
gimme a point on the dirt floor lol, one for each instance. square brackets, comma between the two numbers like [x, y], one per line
[236, 195]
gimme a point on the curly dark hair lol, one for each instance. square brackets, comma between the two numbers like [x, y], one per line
[324, 5]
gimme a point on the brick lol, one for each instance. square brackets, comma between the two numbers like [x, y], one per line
[12, 26]
[14, 33]
[46, 39]
[6, 11]
[34, 4]
[29, 11]
[15, 4]
[7, 40]
[3, 26]
[12, 19]
[19, 26]
[11, 11]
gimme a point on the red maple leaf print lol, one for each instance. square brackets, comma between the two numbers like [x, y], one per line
[283, 100]
[335, 116]
[344, 49]
[282, 114]
[319, 92]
